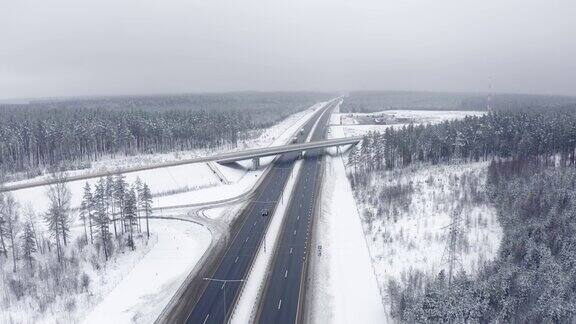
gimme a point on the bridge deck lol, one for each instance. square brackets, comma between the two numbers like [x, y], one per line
[275, 150]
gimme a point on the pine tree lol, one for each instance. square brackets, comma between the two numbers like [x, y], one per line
[60, 196]
[28, 241]
[3, 249]
[130, 215]
[101, 217]
[120, 189]
[146, 203]
[139, 188]
[86, 208]
[110, 200]
[11, 225]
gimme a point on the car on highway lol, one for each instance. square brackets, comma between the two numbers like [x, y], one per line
[264, 212]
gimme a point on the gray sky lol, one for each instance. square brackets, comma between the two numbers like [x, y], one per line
[95, 47]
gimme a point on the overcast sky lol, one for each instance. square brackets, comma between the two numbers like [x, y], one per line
[99, 47]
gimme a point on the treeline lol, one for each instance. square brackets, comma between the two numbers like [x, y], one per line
[69, 134]
[533, 279]
[373, 101]
[499, 134]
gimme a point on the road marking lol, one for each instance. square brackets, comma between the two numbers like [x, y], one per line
[286, 274]
[206, 319]
[236, 260]
[223, 285]
[255, 223]
[279, 304]
[246, 239]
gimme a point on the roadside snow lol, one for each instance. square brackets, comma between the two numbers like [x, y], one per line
[146, 289]
[344, 288]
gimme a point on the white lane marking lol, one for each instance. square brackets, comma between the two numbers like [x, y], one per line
[255, 223]
[223, 285]
[286, 274]
[246, 240]
[290, 250]
[279, 304]
[206, 319]
[236, 260]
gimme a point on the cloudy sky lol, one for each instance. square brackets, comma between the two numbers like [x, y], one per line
[99, 47]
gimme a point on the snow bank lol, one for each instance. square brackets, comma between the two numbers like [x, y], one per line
[142, 294]
[344, 288]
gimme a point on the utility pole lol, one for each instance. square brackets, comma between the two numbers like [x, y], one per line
[225, 281]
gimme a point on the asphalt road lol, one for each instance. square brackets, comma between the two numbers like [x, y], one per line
[218, 297]
[285, 283]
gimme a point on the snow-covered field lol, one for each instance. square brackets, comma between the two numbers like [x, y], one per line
[407, 214]
[349, 122]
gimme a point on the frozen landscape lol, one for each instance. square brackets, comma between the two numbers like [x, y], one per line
[287, 162]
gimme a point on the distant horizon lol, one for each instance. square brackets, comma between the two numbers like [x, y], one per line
[26, 100]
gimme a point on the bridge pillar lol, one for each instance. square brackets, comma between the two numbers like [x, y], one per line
[255, 163]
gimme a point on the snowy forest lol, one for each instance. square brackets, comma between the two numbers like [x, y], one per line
[533, 279]
[68, 134]
[375, 101]
[499, 134]
[531, 182]
[50, 260]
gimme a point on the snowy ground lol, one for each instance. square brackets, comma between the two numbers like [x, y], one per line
[144, 292]
[349, 122]
[410, 231]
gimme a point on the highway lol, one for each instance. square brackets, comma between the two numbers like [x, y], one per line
[218, 297]
[284, 289]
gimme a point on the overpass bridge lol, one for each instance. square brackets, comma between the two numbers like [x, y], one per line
[256, 154]
[225, 158]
